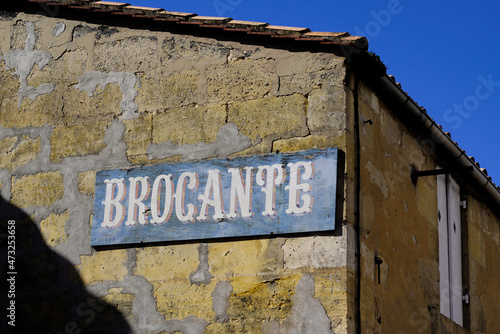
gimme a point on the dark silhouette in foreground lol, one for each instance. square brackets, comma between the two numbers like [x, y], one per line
[41, 291]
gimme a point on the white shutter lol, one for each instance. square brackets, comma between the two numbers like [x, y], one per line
[450, 248]
[444, 274]
[455, 250]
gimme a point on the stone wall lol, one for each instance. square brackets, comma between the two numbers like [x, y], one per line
[76, 98]
[398, 223]
[399, 227]
[483, 252]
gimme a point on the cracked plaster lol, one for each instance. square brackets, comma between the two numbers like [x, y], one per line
[24, 61]
[126, 81]
[228, 141]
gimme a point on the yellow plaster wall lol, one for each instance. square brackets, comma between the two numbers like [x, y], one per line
[398, 222]
[484, 267]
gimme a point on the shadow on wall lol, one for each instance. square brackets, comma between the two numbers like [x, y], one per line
[41, 291]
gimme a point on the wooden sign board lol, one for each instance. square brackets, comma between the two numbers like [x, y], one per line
[248, 196]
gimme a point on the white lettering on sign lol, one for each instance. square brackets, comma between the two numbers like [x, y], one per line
[274, 175]
[213, 188]
[156, 197]
[111, 202]
[295, 188]
[240, 194]
[137, 209]
[166, 198]
[180, 194]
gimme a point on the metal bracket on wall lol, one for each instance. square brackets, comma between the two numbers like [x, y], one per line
[416, 174]
[378, 262]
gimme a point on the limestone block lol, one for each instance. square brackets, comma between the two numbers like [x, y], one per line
[307, 315]
[326, 111]
[168, 269]
[29, 112]
[109, 265]
[181, 48]
[37, 190]
[52, 229]
[189, 125]
[300, 63]
[331, 291]
[104, 104]
[309, 142]
[279, 116]
[315, 252]
[167, 262]
[263, 147]
[70, 65]
[45, 109]
[121, 301]
[242, 258]
[179, 88]
[240, 79]
[168, 92]
[137, 54]
[10, 83]
[178, 299]
[86, 182]
[77, 140]
[82, 30]
[137, 136]
[305, 82]
[15, 152]
[255, 299]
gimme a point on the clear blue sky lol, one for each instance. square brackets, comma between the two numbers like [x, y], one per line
[445, 54]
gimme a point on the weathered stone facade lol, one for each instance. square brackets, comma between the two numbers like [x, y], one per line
[78, 97]
[129, 97]
[399, 225]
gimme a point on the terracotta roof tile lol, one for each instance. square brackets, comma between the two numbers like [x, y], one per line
[211, 19]
[181, 14]
[326, 34]
[165, 15]
[355, 40]
[139, 9]
[292, 31]
[226, 23]
[245, 26]
[105, 5]
[239, 23]
[110, 3]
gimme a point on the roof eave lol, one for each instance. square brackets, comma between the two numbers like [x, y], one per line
[417, 118]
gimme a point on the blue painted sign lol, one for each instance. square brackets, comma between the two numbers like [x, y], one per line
[248, 196]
